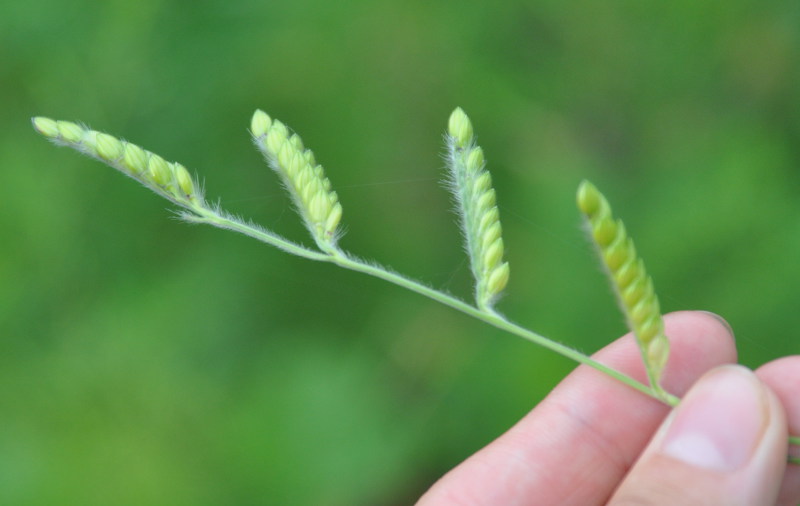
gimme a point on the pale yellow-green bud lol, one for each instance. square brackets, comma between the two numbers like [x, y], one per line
[489, 218]
[183, 179]
[326, 183]
[648, 331]
[619, 252]
[89, 142]
[494, 253]
[589, 199]
[46, 126]
[460, 128]
[487, 199]
[658, 351]
[605, 232]
[134, 159]
[333, 218]
[475, 160]
[70, 131]
[108, 147]
[319, 208]
[498, 279]
[627, 273]
[482, 183]
[276, 136]
[490, 235]
[159, 170]
[297, 143]
[260, 123]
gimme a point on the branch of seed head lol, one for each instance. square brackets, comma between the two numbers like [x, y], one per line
[170, 180]
[632, 285]
[471, 185]
[309, 188]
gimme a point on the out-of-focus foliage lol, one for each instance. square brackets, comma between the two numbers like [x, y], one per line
[144, 361]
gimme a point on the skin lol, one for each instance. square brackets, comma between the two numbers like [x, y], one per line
[593, 440]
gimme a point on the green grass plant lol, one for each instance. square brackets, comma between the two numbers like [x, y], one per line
[320, 210]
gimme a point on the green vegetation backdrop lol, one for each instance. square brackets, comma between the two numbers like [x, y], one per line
[145, 361]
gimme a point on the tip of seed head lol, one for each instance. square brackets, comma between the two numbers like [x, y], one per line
[45, 126]
[260, 123]
[589, 198]
[459, 127]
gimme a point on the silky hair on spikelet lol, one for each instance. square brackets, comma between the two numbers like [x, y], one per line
[305, 180]
[471, 186]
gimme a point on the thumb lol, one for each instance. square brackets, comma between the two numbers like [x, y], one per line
[725, 443]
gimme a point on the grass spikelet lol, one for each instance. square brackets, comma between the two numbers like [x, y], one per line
[306, 182]
[471, 184]
[170, 180]
[632, 285]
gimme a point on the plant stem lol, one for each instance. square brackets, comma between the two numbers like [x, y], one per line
[215, 218]
[498, 321]
[340, 258]
[219, 220]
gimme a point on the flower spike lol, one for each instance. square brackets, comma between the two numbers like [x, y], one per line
[306, 182]
[632, 285]
[471, 185]
[170, 180]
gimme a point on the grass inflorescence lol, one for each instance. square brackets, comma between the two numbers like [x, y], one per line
[632, 285]
[470, 182]
[168, 179]
[305, 180]
[471, 185]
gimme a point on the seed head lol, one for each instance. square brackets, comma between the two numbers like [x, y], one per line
[633, 286]
[475, 198]
[306, 182]
[170, 180]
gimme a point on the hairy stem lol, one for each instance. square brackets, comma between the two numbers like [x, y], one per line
[346, 261]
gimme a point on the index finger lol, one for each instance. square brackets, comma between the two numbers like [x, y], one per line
[579, 442]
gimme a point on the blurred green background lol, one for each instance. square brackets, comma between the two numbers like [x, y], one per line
[145, 361]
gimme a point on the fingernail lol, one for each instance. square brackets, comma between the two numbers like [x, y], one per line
[722, 320]
[720, 422]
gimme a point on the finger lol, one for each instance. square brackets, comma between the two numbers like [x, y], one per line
[725, 443]
[579, 442]
[783, 377]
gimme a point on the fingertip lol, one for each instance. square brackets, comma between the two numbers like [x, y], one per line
[724, 444]
[783, 378]
[699, 341]
[719, 320]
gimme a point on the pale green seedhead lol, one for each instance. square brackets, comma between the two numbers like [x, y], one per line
[471, 185]
[306, 182]
[634, 288]
[171, 180]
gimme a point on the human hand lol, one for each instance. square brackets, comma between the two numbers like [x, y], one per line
[593, 440]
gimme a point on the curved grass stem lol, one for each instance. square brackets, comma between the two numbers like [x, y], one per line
[220, 220]
[217, 219]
